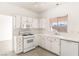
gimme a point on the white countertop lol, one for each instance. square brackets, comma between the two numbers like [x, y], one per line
[66, 37]
[70, 37]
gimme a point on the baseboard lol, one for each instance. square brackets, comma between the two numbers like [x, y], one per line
[48, 51]
[40, 47]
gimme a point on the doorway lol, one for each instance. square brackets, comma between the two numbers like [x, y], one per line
[5, 34]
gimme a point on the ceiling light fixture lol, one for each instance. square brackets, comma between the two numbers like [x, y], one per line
[58, 3]
[36, 4]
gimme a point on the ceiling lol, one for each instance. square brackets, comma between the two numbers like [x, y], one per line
[35, 6]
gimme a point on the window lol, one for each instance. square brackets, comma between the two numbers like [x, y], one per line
[59, 23]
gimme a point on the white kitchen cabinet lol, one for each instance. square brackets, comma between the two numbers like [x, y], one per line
[42, 41]
[26, 22]
[18, 44]
[53, 44]
[35, 23]
[37, 40]
[69, 48]
[30, 19]
[44, 23]
[23, 21]
[17, 21]
[50, 43]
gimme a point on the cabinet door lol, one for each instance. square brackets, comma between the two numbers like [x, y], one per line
[37, 38]
[55, 45]
[48, 43]
[26, 22]
[23, 21]
[17, 21]
[30, 21]
[18, 45]
[42, 41]
[44, 23]
[35, 23]
[69, 48]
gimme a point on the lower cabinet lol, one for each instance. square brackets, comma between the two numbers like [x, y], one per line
[37, 38]
[51, 43]
[48, 43]
[18, 45]
[69, 48]
[59, 46]
[55, 45]
[42, 41]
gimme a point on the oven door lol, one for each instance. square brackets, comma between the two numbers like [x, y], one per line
[28, 43]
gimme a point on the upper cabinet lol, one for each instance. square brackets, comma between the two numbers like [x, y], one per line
[25, 22]
[16, 22]
[35, 23]
[44, 23]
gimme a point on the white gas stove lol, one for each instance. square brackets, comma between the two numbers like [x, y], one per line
[28, 42]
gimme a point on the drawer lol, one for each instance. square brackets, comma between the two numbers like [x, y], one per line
[28, 46]
[19, 49]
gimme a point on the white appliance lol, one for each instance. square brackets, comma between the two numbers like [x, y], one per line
[28, 42]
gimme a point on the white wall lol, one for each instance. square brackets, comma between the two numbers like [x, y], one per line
[14, 10]
[72, 9]
[5, 27]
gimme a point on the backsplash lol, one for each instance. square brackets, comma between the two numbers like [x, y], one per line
[32, 30]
